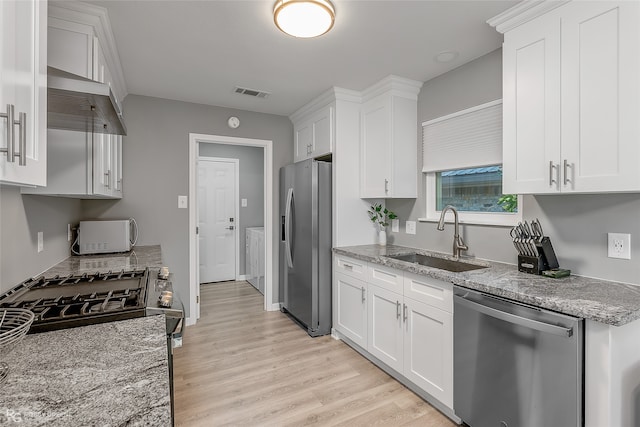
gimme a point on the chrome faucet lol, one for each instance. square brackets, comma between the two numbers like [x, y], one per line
[458, 243]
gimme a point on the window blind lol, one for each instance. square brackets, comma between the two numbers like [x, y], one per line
[465, 139]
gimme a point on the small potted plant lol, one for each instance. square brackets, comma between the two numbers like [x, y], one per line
[380, 216]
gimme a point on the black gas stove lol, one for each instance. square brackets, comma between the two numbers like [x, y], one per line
[79, 300]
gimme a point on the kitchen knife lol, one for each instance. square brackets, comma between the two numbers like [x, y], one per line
[522, 239]
[519, 240]
[516, 240]
[537, 230]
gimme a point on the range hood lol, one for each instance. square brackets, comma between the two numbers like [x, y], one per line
[80, 104]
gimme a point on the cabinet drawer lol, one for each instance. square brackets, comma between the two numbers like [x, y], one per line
[436, 293]
[351, 267]
[385, 277]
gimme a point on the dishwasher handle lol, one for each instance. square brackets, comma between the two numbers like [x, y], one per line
[512, 318]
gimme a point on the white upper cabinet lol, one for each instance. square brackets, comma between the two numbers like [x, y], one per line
[83, 164]
[388, 139]
[314, 133]
[71, 47]
[571, 97]
[23, 92]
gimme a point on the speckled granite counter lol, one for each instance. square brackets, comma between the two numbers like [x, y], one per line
[140, 257]
[110, 374]
[606, 302]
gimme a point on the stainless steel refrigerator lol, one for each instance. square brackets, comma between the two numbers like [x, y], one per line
[305, 244]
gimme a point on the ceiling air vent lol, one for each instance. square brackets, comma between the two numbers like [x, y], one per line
[251, 92]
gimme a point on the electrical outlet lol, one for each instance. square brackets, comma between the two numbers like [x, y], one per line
[410, 227]
[395, 225]
[40, 241]
[182, 202]
[69, 235]
[619, 245]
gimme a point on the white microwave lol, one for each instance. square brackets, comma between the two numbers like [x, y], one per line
[108, 236]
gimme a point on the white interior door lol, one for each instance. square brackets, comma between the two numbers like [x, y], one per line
[218, 227]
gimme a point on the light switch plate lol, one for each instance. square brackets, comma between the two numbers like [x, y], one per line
[395, 225]
[182, 202]
[243, 203]
[619, 245]
[410, 227]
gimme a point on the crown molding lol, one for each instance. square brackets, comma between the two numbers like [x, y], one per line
[398, 86]
[523, 12]
[327, 97]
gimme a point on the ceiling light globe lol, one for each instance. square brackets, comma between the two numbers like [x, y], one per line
[304, 18]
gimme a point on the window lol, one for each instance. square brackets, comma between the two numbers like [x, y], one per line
[473, 190]
[462, 161]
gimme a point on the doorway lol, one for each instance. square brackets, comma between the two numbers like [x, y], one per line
[218, 225]
[194, 253]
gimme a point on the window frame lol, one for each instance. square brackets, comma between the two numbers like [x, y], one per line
[478, 218]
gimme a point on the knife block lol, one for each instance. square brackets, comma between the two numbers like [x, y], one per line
[531, 264]
[546, 259]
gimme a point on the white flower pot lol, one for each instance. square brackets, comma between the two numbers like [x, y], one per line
[382, 237]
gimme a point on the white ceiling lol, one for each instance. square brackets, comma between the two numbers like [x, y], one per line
[198, 51]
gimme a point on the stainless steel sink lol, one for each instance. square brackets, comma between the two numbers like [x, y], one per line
[441, 263]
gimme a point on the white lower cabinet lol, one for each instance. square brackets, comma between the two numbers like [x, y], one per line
[351, 308]
[385, 326]
[401, 319]
[428, 349]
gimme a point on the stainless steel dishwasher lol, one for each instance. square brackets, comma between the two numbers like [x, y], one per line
[515, 365]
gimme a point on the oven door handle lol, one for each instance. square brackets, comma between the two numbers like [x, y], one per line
[512, 318]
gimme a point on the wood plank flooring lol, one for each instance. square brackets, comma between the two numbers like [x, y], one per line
[242, 366]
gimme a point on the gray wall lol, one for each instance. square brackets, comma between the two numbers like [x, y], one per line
[21, 218]
[577, 224]
[156, 171]
[251, 177]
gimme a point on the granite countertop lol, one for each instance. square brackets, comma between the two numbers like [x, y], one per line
[139, 258]
[607, 302]
[109, 374]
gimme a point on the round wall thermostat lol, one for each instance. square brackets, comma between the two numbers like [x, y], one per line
[233, 122]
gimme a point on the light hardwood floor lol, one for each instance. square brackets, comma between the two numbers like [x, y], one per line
[242, 366]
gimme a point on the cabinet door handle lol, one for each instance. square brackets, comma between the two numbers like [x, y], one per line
[551, 168]
[386, 185]
[566, 166]
[107, 174]
[397, 309]
[364, 294]
[22, 140]
[9, 115]
[404, 312]
[348, 266]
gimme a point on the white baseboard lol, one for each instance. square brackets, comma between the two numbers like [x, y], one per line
[274, 307]
[242, 277]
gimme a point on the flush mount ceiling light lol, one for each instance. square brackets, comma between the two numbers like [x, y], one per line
[304, 18]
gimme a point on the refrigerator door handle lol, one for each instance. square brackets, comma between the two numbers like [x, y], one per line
[287, 227]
